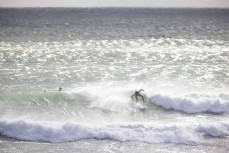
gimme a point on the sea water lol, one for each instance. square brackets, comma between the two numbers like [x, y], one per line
[100, 57]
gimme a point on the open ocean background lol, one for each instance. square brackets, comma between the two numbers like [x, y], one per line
[100, 57]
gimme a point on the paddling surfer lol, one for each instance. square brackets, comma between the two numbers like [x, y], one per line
[53, 90]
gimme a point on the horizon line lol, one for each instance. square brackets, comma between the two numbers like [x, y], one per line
[103, 7]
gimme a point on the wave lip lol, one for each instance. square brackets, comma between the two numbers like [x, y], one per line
[193, 103]
[150, 133]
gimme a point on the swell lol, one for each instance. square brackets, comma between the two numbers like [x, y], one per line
[42, 97]
[118, 99]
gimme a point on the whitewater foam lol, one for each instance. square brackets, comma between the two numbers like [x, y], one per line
[193, 103]
[150, 133]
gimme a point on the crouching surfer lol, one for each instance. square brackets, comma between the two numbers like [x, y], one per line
[136, 94]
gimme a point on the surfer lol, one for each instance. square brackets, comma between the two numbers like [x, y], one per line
[136, 94]
[60, 89]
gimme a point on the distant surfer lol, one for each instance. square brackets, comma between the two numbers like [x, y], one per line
[136, 94]
[60, 89]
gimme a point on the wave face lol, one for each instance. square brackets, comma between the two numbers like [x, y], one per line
[150, 133]
[194, 103]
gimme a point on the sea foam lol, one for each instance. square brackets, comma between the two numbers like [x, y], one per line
[150, 133]
[193, 103]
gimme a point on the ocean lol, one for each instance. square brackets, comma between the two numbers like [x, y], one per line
[100, 57]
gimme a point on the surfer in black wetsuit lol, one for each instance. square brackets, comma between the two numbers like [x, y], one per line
[60, 89]
[136, 94]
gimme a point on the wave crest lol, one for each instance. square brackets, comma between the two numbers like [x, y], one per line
[150, 133]
[193, 103]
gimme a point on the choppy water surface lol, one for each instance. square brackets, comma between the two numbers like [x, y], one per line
[100, 57]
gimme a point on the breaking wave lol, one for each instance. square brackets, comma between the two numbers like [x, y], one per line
[150, 133]
[193, 103]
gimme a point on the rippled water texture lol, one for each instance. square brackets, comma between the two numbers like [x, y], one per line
[100, 57]
[71, 62]
[46, 47]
